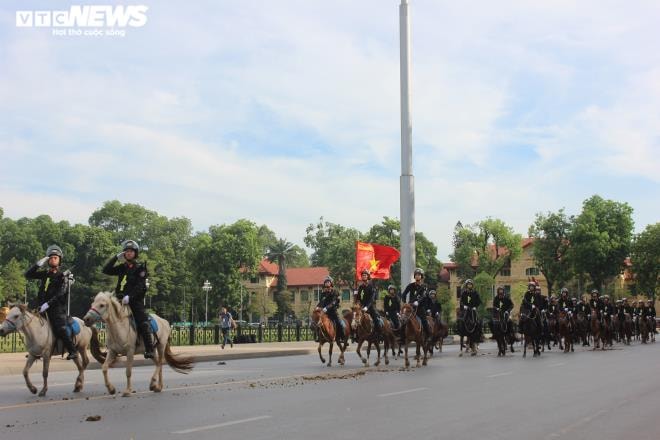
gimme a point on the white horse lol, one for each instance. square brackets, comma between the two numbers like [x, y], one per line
[122, 339]
[40, 343]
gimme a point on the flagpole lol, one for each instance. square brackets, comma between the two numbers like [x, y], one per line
[407, 182]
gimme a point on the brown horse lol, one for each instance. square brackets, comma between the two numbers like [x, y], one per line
[596, 330]
[644, 330]
[389, 340]
[606, 330]
[413, 332]
[627, 328]
[581, 329]
[566, 326]
[365, 331]
[439, 333]
[327, 333]
[651, 325]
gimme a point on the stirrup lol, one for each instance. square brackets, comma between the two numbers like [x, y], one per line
[72, 356]
[148, 354]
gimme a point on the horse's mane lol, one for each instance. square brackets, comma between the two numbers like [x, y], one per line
[114, 303]
[22, 307]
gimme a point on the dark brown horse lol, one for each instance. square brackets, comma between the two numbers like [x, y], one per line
[644, 329]
[606, 330]
[499, 327]
[530, 324]
[582, 329]
[627, 326]
[566, 326]
[390, 340]
[327, 333]
[596, 329]
[440, 332]
[413, 332]
[365, 331]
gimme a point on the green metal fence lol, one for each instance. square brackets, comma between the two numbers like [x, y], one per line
[208, 335]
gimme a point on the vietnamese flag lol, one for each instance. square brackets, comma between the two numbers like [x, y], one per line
[376, 258]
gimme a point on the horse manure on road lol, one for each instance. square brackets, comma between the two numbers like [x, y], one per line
[93, 418]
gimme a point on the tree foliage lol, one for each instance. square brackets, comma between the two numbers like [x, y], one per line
[551, 247]
[645, 258]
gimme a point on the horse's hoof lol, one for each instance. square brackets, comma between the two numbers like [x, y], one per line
[460, 354]
[77, 389]
[387, 362]
[42, 393]
[126, 393]
[112, 390]
[33, 390]
[329, 364]
[157, 389]
[377, 363]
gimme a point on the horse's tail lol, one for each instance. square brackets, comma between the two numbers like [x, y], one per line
[95, 347]
[180, 364]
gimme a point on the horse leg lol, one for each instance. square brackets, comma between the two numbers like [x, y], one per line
[330, 354]
[405, 354]
[369, 342]
[359, 353]
[426, 351]
[110, 358]
[26, 375]
[418, 354]
[158, 360]
[524, 346]
[161, 351]
[320, 353]
[377, 363]
[129, 371]
[46, 361]
[80, 380]
[386, 347]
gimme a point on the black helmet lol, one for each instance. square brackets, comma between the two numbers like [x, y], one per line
[564, 290]
[328, 279]
[131, 244]
[420, 271]
[432, 292]
[54, 249]
[366, 271]
[391, 287]
[500, 288]
[594, 291]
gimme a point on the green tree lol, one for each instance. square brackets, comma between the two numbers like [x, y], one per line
[483, 284]
[645, 257]
[262, 305]
[448, 303]
[281, 252]
[600, 239]
[333, 246]
[551, 245]
[489, 245]
[13, 282]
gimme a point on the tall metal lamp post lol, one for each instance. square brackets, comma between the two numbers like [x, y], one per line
[207, 288]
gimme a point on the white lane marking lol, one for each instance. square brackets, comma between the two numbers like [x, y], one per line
[402, 392]
[500, 374]
[557, 365]
[220, 425]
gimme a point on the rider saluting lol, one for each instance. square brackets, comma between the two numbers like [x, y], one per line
[131, 288]
[392, 306]
[416, 295]
[53, 293]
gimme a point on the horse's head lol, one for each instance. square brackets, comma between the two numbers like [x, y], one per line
[14, 320]
[101, 307]
[407, 312]
[316, 316]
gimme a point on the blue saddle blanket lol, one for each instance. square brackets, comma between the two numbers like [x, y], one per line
[152, 323]
[72, 327]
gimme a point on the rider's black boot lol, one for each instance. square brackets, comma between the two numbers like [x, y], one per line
[146, 339]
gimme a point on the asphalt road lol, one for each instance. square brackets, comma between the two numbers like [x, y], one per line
[585, 395]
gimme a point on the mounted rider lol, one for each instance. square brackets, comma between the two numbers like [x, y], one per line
[470, 298]
[595, 303]
[329, 304]
[53, 294]
[392, 306]
[532, 302]
[366, 297]
[501, 303]
[583, 307]
[131, 288]
[553, 308]
[416, 294]
[565, 303]
[650, 307]
[434, 307]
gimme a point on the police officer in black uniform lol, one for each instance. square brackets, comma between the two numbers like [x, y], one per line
[416, 294]
[651, 312]
[583, 307]
[329, 304]
[553, 308]
[131, 288]
[434, 307]
[470, 298]
[595, 304]
[53, 294]
[501, 303]
[367, 296]
[565, 303]
[529, 298]
[392, 306]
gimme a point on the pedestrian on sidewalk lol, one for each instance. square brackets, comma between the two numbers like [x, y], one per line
[225, 325]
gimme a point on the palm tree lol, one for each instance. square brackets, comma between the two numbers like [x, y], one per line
[281, 252]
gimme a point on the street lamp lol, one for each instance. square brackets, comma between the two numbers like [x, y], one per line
[206, 288]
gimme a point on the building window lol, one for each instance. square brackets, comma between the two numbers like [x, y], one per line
[458, 291]
[507, 289]
[505, 272]
[254, 279]
[345, 295]
[304, 296]
[531, 271]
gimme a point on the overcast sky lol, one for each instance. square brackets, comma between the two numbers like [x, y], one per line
[285, 111]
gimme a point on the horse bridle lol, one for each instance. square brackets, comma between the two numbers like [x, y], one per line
[96, 312]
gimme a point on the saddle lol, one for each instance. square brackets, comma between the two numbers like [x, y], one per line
[153, 325]
[72, 327]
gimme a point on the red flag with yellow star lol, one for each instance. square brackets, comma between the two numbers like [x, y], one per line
[376, 258]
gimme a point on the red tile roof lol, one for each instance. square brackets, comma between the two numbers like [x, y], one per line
[268, 268]
[306, 276]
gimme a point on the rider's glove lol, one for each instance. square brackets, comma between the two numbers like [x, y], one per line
[474, 308]
[533, 306]
[43, 307]
[415, 304]
[325, 309]
[42, 261]
[364, 309]
[125, 299]
[465, 307]
[120, 256]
